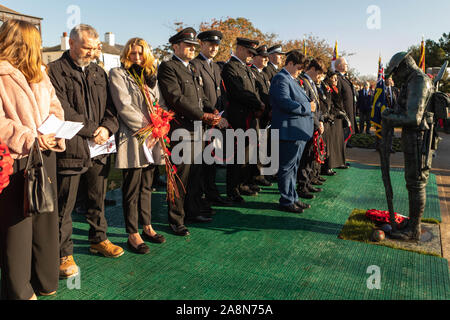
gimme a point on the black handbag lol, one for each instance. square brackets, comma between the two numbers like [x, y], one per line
[39, 191]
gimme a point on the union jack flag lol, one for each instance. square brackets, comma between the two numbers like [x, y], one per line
[379, 101]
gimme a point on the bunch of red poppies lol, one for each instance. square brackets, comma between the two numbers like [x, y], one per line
[6, 166]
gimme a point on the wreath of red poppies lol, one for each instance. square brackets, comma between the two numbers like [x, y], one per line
[6, 166]
[384, 217]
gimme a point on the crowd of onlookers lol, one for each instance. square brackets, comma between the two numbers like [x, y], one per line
[313, 107]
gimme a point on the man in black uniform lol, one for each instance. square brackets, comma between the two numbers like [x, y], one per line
[212, 87]
[181, 87]
[259, 63]
[348, 94]
[244, 106]
[410, 113]
[275, 61]
[309, 167]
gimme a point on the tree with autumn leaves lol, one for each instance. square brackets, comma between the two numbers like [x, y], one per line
[233, 28]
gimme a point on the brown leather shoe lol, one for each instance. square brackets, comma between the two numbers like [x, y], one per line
[44, 294]
[107, 249]
[67, 267]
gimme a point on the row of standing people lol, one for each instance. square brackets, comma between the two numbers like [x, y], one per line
[37, 250]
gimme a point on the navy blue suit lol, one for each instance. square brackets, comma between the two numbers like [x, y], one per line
[292, 116]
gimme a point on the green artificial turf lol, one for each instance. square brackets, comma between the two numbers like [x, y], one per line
[256, 251]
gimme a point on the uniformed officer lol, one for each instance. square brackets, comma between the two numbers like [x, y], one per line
[181, 86]
[212, 80]
[244, 104]
[275, 61]
[259, 63]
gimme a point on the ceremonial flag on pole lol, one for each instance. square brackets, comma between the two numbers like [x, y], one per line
[422, 56]
[304, 47]
[379, 101]
[335, 56]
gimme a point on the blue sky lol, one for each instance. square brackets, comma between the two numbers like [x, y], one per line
[402, 22]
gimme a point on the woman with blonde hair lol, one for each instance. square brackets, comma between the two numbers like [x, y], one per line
[138, 72]
[29, 245]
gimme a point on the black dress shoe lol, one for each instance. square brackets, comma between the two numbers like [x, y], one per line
[253, 187]
[315, 190]
[305, 195]
[236, 199]
[201, 219]
[303, 205]
[220, 202]
[260, 180]
[322, 179]
[157, 238]
[246, 191]
[141, 249]
[207, 212]
[316, 182]
[291, 208]
[181, 231]
[329, 172]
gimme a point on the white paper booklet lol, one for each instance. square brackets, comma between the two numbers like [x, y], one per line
[107, 148]
[62, 129]
[148, 154]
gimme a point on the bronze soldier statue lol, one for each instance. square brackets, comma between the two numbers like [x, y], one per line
[411, 112]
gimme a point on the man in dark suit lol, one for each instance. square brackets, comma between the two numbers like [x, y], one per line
[309, 167]
[348, 94]
[244, 106]
[364, 104]
[212, 87]
[181, 86]
[292, 116]
[275, 60]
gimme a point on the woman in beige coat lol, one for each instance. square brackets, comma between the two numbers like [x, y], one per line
[138, 170]
[29, 246]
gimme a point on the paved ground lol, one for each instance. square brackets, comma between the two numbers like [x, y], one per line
[441, 168]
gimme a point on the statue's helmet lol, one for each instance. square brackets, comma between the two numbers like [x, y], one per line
[395, 62]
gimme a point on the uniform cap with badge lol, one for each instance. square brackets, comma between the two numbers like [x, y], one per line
[214, 36]
[187, 35]
[249, 44]
[276, 49]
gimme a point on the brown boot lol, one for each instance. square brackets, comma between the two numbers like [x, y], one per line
[67, 267]
[107, 249]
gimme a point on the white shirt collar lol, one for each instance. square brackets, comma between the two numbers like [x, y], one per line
[275, 66]
[209, 60]
[186, 64]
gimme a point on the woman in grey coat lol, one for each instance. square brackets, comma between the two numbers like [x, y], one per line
[137, 167]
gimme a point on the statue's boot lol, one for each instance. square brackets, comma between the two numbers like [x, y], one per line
[417, 200]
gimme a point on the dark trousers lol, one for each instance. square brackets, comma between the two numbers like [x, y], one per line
[306, 171]
[209, 181]
[193, 200]
[238, 174]
[137, 197]
[290, 155]
[96, 176]
[29, 257]
[176, 209]
[364, 119]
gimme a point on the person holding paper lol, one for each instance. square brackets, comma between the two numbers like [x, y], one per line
[135, 159]
[83, 89]
[28, 245]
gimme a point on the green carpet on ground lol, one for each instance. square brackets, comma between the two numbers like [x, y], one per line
[258, 252]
